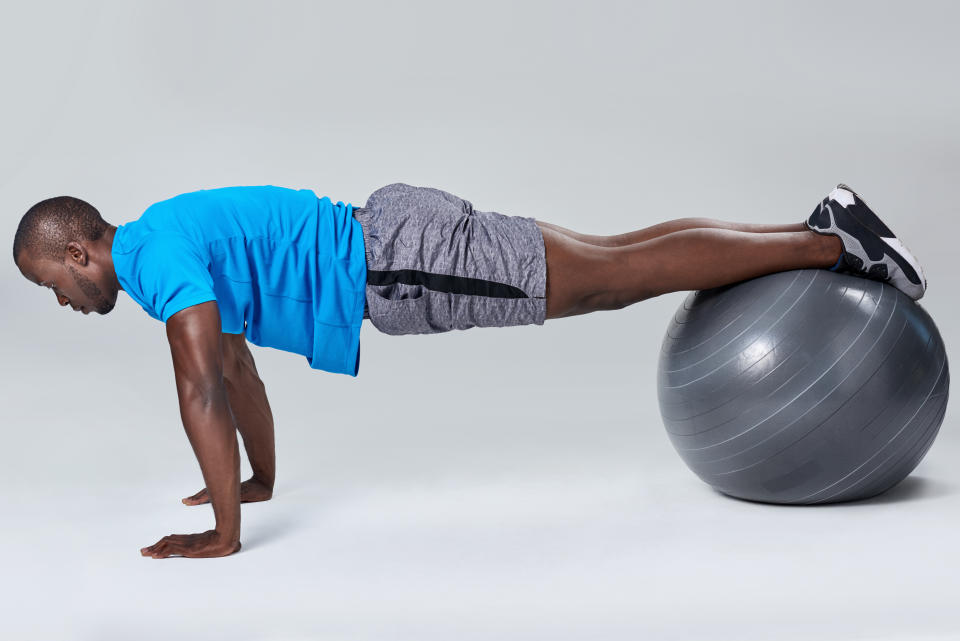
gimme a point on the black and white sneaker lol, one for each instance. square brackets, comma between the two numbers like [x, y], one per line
[870, 249]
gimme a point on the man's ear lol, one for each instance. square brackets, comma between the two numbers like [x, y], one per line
[77, 253]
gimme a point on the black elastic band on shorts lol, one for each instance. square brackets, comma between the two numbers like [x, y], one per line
[445, 283]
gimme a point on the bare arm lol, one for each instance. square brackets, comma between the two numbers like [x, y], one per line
[194, 336]
[251, 409]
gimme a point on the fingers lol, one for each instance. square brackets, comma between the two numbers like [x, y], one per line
[153, 550]
[200, 497]
[250, 492]
[203, 496]
[197, 499]
[187, 545]
[168, 545]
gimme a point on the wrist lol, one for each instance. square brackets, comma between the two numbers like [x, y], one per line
[263, 479]
[226, 537]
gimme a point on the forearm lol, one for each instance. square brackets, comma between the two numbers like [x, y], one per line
[251, 409]
[211, 430]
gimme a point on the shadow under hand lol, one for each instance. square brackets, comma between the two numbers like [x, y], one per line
[280, 517]
[270, 530]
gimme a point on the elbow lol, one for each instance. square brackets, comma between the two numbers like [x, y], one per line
[205, 393]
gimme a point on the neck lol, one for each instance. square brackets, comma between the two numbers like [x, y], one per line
[108, 241]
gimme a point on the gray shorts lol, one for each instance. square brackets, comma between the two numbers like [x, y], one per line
[434, 263]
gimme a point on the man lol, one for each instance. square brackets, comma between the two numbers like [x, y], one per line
[283, 268]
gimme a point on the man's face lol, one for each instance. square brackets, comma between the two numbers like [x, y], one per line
[84, 287]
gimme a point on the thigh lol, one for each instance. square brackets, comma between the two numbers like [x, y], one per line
[578, 275]
[590, 239]
[434, 263]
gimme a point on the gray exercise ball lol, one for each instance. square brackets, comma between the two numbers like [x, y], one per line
[801, 387]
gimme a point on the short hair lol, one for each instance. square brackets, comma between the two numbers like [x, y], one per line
[48, 226]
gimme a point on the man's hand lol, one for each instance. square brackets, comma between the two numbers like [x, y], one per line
[251, 491]
[204, 545]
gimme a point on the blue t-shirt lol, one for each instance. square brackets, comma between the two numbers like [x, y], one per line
[286, 267]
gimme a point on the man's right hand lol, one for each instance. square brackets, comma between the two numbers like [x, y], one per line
[251, 491]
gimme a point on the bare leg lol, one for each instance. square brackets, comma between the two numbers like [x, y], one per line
[661, 229]
[583, 278]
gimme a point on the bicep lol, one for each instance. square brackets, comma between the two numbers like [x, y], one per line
[194, 335]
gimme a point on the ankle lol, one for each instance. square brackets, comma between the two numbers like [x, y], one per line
[831, 248]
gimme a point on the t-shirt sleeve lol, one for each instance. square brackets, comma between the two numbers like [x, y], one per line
[173, 275]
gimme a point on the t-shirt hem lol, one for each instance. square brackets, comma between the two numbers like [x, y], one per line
[190, 302]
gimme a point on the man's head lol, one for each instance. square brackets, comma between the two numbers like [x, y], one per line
[63, 243]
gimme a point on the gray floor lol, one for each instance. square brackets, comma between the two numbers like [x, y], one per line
[557, 510]
[554, 507]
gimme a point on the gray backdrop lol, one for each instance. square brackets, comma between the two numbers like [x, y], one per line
[554, 507]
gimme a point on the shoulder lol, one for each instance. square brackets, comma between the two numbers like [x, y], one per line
[167, 256]
[149, 242]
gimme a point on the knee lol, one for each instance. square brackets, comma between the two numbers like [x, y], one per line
[622, 297]
[698, 222]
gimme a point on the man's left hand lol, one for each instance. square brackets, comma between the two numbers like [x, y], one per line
[204, 545]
